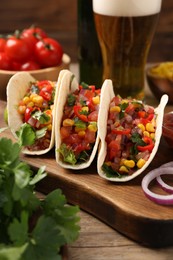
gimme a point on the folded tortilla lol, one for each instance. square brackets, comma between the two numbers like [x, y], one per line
[68, 85]
[16, 90]
[106, 97]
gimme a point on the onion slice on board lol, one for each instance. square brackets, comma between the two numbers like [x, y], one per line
[158, 198]
[165, 186]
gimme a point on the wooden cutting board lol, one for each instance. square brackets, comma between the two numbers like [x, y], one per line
[123, 206]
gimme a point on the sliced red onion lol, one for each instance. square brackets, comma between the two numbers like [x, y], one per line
[160, 199]
[165, 186]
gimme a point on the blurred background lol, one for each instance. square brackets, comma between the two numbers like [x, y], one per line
[59, 19]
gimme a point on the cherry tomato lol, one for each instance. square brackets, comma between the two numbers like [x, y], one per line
[16, 65]
[2, 44]
[30, 65]
[32, 35]
[17, 49]
[5, 62]
[48, 52]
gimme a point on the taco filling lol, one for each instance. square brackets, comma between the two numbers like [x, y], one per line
[78, 128]
[130, 136]
[35, 109]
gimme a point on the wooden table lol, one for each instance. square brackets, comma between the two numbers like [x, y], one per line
[99, 241]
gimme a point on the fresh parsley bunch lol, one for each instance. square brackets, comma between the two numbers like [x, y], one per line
[56, 223]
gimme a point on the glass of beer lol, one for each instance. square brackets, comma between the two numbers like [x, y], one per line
[125, 30]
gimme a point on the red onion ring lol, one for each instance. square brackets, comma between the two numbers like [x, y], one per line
[165, 186]
[160, 199]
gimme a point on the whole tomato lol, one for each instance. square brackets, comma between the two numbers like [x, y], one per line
[5, 62]
[17, 49]
[2, 44]
[30, 65]
[32, 35]
[48, 52]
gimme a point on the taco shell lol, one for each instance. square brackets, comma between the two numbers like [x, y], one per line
[106, 97]
[16, 90]
[68, 85]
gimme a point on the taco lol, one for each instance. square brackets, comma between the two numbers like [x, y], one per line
[30, 106]
[76, 123]
[129, 133]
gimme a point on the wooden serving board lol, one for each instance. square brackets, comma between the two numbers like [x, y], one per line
[123, 206]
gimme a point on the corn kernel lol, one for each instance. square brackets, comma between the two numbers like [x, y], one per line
[142, 127]
[30, 104]
[152, 135]
[146, 133]
[115, 109]
[68, 122]
[140, 163]
[37, 99]
[123, 169]
[49, 127]
[78, 129]
[92, 127]
[21, 109]
[81, 133]
[33, 95]
[26, 100]
[96, 100]
[150, 128]
[86, 109]
[129, 163]
[108, 163]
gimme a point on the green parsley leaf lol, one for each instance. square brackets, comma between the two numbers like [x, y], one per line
[67, 154]
[18, 229]
[26, 135]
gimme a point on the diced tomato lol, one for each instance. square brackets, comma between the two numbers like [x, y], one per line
[65, 131]
[90, 136]
[93, 116]
[113, 149]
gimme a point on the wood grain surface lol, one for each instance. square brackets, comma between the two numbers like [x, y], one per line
[122, 206]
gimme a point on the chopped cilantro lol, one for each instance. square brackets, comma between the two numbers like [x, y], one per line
[84, 85]
[67, 154]
[41, 117]
[123, 106]
[79, 123]
[71, 100]
[110, 173]
[34, 88]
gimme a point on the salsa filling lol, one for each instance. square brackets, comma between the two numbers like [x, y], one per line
[36, 109]
[79, 124]
[130, 136]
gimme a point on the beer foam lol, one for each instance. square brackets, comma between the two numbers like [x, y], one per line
[127, 7]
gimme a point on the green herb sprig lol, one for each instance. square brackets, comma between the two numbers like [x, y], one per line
[56, 223]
